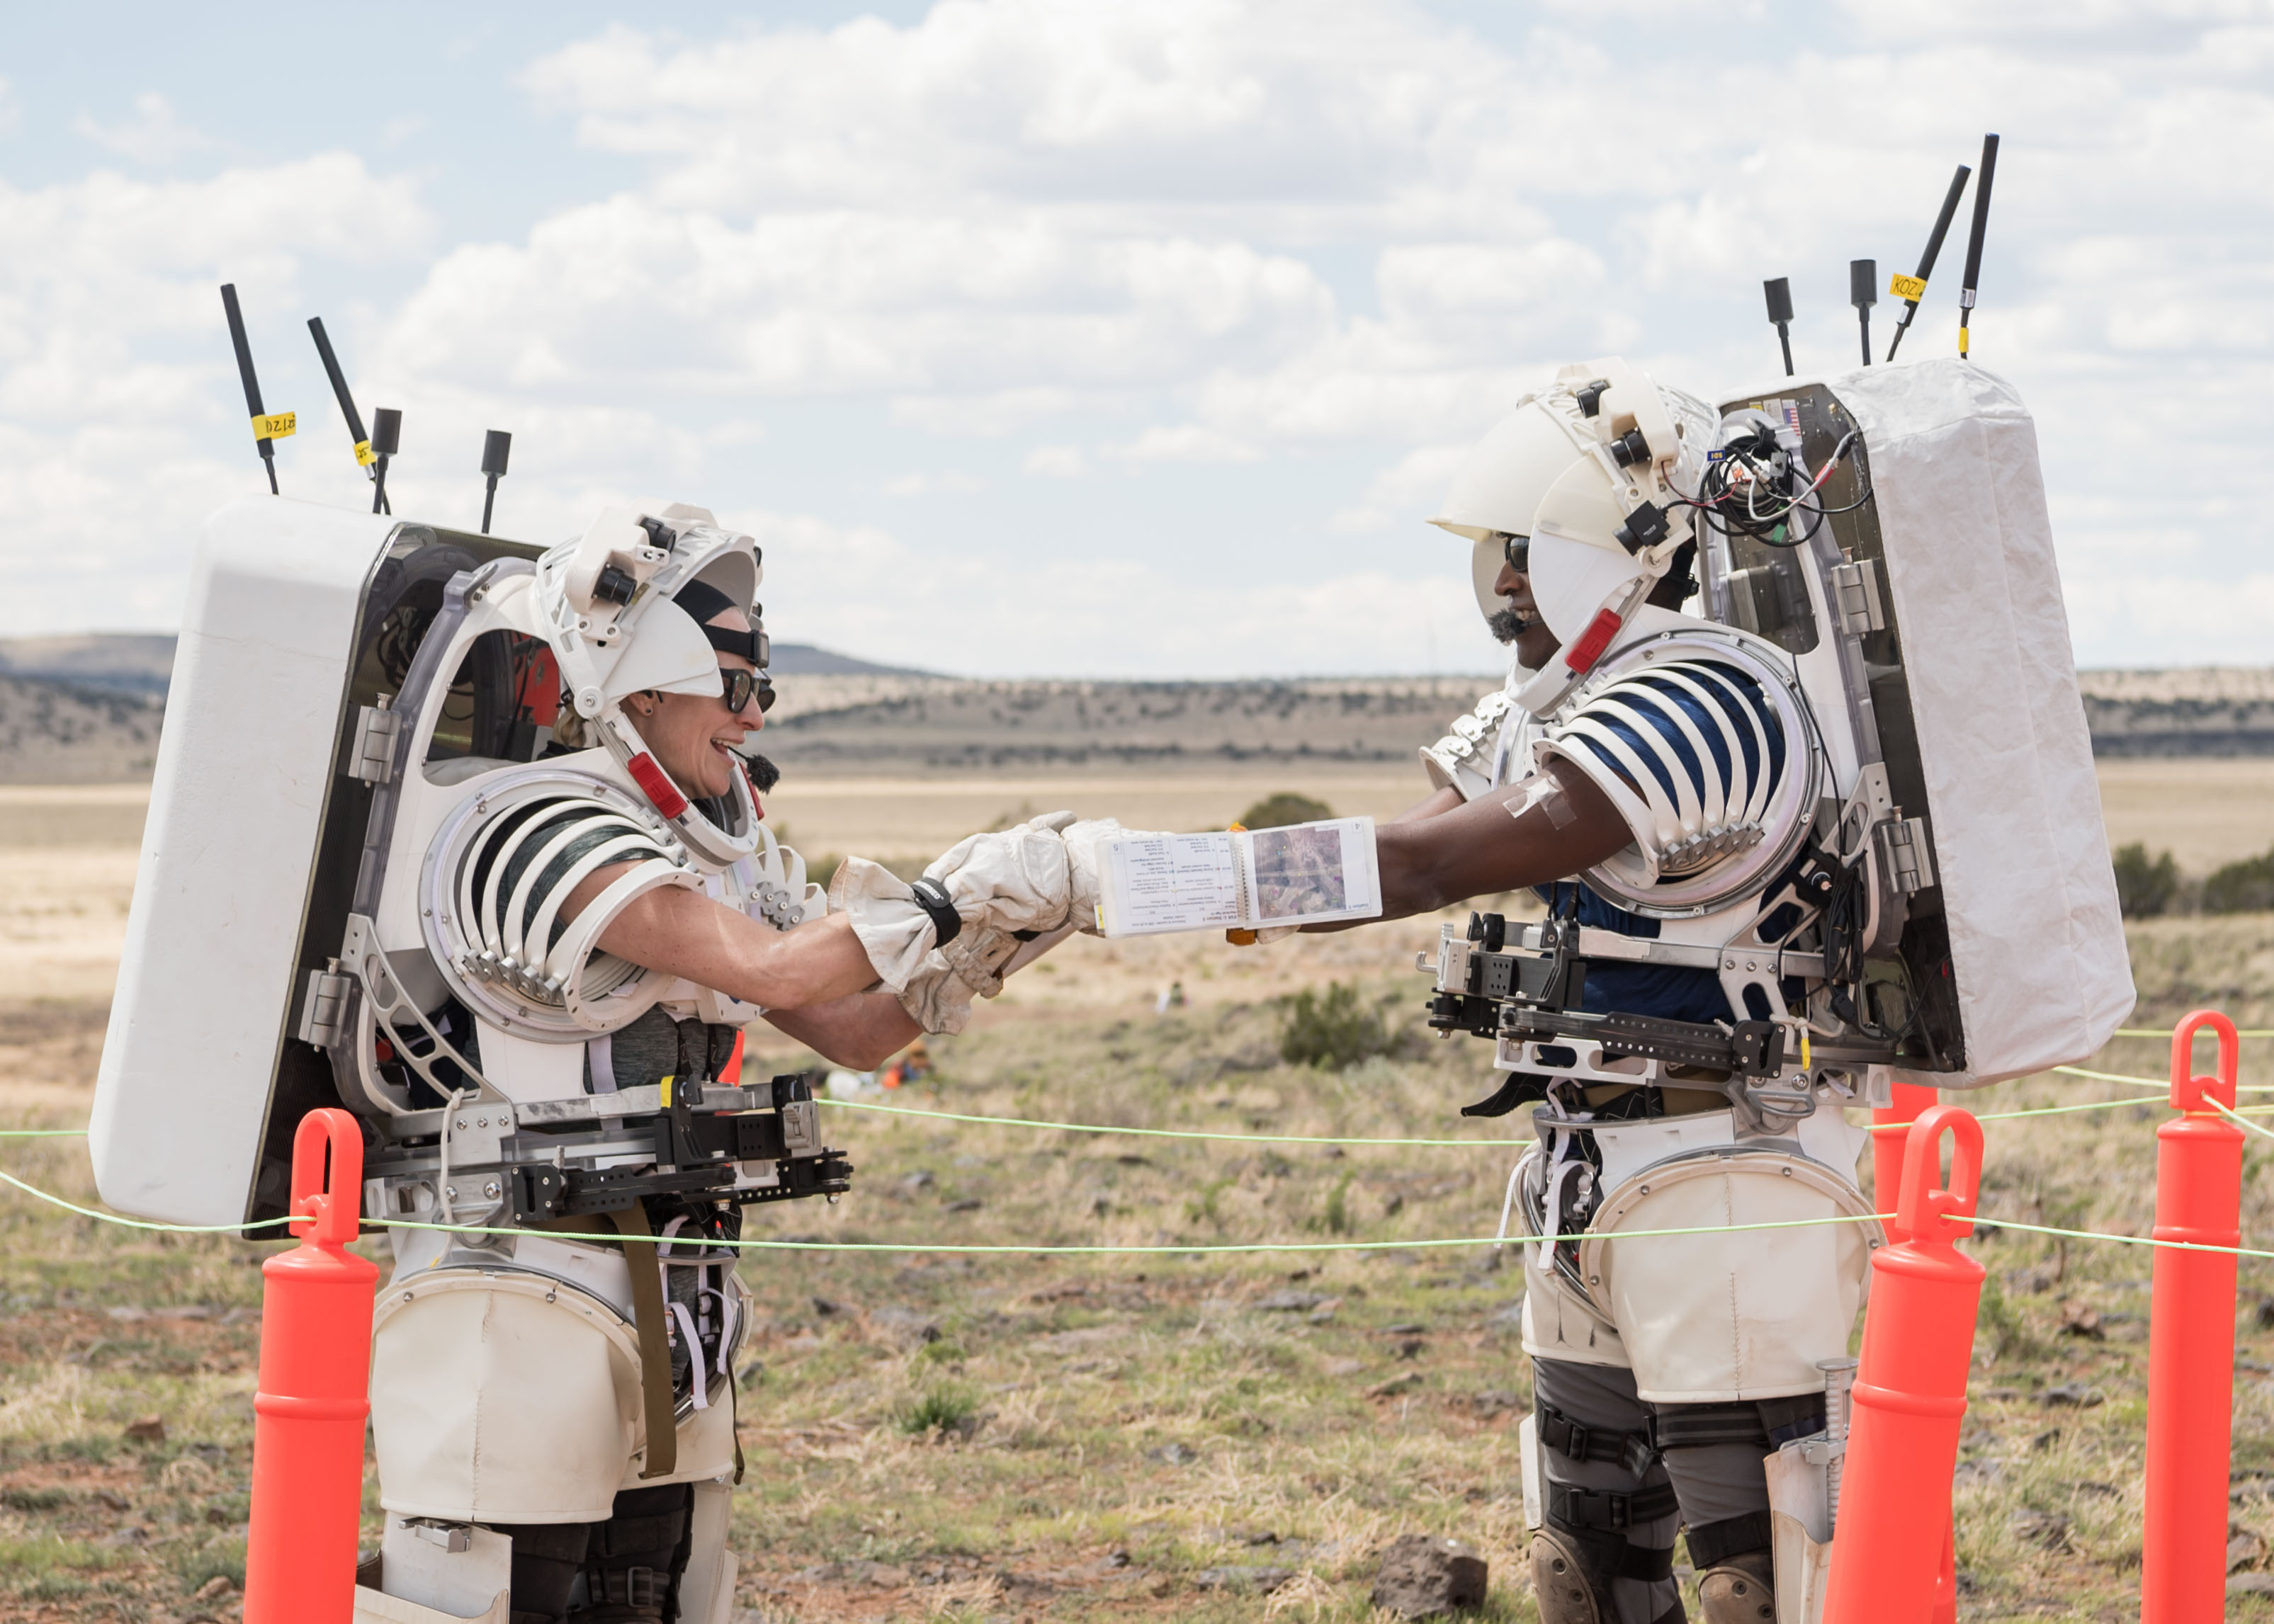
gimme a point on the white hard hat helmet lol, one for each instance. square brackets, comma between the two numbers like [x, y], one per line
[1593, 471]
[609, 599]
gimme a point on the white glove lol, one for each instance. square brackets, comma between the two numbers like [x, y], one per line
[939, 996]
[1085, 851]
[1017, 876]
[1010, 880]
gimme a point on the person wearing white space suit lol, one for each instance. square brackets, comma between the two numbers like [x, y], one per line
[1777, 879]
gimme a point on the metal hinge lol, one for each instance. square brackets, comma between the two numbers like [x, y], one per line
[1903, 851]
[377, 728]
[1856, 597]
[324, 1007]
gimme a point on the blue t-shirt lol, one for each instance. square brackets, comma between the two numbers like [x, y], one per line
[1668, 991]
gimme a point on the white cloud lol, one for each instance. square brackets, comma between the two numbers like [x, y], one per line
[1187, 443]
[154, 136]
[1057, 461]
[1289, 258]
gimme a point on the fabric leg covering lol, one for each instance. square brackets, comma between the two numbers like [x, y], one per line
[1609, 1504]
[546, 1558]
[632, 1567]
[655, 1351]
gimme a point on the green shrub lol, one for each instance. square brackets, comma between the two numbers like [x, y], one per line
[1278, 811]
[943, 1410]
[2145, 889]
[2245, 887]
[1330, 1029]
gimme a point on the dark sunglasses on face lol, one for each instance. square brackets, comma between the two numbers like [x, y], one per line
[739, 685]
[1518, 551]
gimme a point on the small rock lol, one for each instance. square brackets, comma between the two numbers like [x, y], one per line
[2047, 1529]
[1173, 1455]
[1494, 1401]
[2250, 1584]
[2266, 1313]
[753, 1373]
[1422, 1576]
[969, 1204]
[148, 1429]
[214, 1588]
[1412, 1328]
[127, 1315]
[1342, 1368]
[1411, 1348]
[826, 1309]
[1253, 1580]
[134, 1534]
[110, 1501]
[917, 1181]
[1395, 1386]
[2046, 1439]
[2079, 1318]
[1324, 1314]
[2075, 1395]
[1289, 1302]
[2244, 1550]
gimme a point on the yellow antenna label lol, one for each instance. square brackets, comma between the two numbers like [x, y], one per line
[364, 454]
[1912, 288]
[1961, 341]
[276, 425]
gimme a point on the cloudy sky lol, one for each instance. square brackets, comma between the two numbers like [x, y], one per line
[1054, 336]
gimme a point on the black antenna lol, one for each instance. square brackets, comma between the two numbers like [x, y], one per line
[1911, 289]
[1862, 293]
[385, 438]
[365, 455]
[1974, 238]
[1780, 297]
[497, 446]
[267, 430]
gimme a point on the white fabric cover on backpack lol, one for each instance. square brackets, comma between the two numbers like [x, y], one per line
[2036, 938]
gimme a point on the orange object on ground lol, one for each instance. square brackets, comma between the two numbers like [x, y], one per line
[1894, 1522]
[2191, 1340]
[315, 1391]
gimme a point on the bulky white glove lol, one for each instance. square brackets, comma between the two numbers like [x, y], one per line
[1085, 852]
[1010, 880]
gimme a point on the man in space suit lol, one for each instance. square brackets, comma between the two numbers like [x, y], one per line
[1582, 549]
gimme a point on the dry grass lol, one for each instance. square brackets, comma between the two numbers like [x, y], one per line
[1141, 1436]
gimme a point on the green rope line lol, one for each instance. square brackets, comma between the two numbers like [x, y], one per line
[42, 1133]
[2229, 1111]
[1164, 1133]
[2157, 1083]
[2040, 1110]
[1157, 1250]
[137, 1223]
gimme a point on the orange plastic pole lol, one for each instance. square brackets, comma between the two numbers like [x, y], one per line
[1887, 1148]
[1910, 1389]
[315, 1391]
[2191, 1340]
[1887, 1152]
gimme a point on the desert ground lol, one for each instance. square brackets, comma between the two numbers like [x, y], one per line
[1177, 1434]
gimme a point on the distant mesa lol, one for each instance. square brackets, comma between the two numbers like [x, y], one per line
[87, 709]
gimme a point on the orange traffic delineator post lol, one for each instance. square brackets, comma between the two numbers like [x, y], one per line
[1894, 1529]
[1889, 1148]
[315, 1391]
[1906, 1103]
[2191, 1339]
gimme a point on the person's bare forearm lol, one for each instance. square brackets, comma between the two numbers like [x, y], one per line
[1504, 841]
[861, 1031]
[684, 933]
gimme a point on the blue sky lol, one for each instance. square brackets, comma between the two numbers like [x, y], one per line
[1043, 337]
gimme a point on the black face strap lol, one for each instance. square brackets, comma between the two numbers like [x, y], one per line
[931, 897]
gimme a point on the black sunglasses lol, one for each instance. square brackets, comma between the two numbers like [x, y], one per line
[1518, 551]
[739, 685]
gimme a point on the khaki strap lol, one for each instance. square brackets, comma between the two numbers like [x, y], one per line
[655, 1351]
